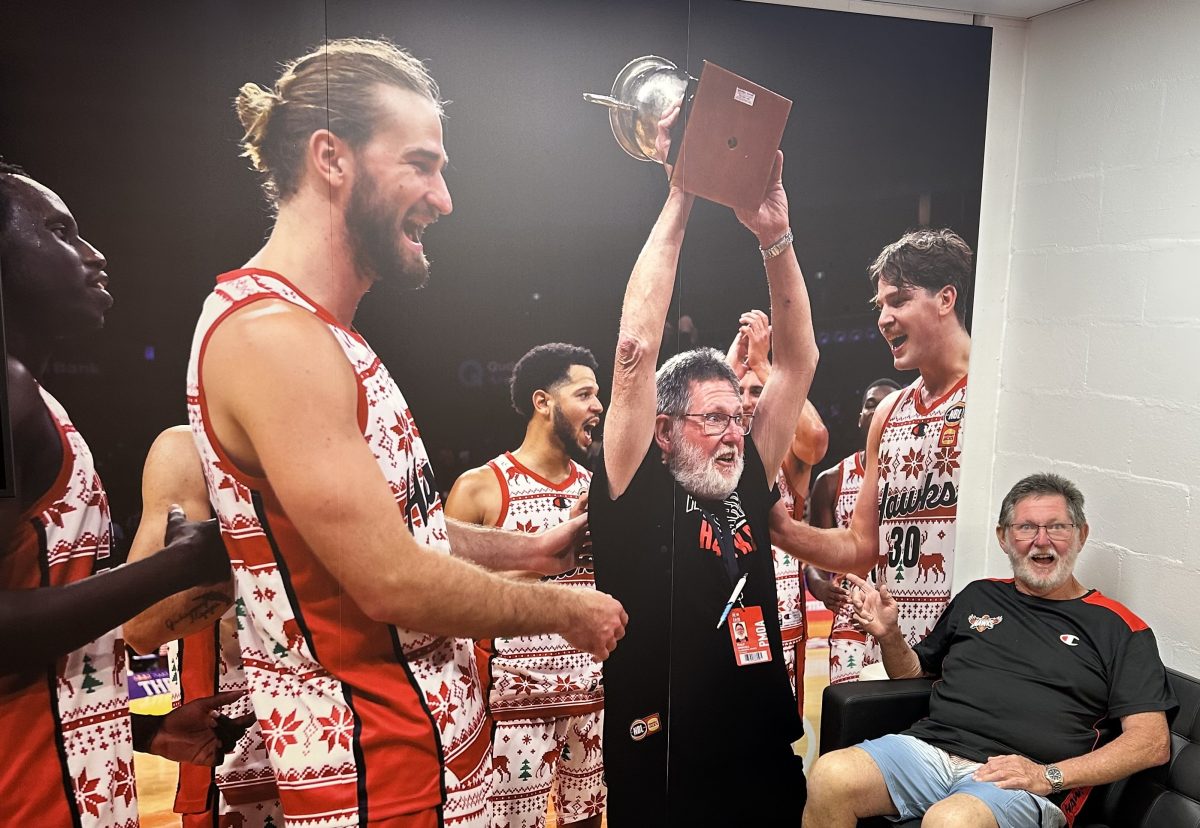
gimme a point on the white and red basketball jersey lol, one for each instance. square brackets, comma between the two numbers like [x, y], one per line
[361, 720]
[206, 662]
[847, 645]
[69, 754]
[539, 676]
[850, 479]
[789, 590]
[920, 452]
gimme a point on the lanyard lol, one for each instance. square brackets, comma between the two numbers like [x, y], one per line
[729, 558]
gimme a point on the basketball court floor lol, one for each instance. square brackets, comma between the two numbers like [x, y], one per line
[156, 776]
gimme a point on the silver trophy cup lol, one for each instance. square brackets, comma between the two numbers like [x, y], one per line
[644, 91]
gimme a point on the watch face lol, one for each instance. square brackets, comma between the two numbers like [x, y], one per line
[1054, 776]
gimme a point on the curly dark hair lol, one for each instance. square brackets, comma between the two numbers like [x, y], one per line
[542, 368]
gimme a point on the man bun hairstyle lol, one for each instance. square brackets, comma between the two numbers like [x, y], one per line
[929, 259]
[1040, 485]
[541, 369]
[674, 379]
[333, 87]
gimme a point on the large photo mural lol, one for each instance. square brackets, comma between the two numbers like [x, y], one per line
[538, 228]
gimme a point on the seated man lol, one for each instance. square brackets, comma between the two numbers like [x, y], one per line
[1036, 671]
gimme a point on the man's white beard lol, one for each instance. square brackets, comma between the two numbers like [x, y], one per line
[698, 474]
[1064, 568]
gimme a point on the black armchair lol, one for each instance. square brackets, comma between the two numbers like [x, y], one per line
[1164, 797]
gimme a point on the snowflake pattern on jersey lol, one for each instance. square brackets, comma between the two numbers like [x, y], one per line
[306, 712]
[540, 675]
[93, 705]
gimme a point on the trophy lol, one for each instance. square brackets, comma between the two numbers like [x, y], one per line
[731, 127]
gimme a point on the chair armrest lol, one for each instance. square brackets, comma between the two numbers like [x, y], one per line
[856, 711]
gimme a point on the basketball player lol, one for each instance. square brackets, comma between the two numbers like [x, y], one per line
[831, 506]
[200, 627]
[748, 356]
[904, 515]
[357, 620]
[545, 696]
[62, 660]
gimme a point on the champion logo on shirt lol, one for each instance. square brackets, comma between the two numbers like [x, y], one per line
[983, 623]
[1069, 640]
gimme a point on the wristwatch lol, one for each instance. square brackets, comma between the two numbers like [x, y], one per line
[1055, 777]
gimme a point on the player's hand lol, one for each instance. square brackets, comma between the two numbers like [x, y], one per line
[769, 220]
[873, 611]
[826, 589]
[195, 733]
[1014, 773]
[562, 548]
[209, 561]
[755, 330]
[662, 139]
[595, 622]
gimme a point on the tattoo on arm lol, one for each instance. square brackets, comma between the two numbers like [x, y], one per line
[202, 606]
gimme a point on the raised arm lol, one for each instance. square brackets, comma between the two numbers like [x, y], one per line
[172, 474]
[39, 625]
[841, 550]
[630, 421]
[793, 344]
[285, 417]
[876, 613]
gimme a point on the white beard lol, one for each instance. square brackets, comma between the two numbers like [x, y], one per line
[698, 474]
[1064, 568]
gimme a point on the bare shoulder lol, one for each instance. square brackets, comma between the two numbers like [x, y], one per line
[36, 444]
[173, 457]
[270, 354]
[475, 497]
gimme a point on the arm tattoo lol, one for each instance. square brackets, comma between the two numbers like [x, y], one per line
[203, 605]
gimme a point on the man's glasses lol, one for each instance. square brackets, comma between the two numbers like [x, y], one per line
[714, 422]
[1029, 531]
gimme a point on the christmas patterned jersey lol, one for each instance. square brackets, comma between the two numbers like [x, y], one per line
[920, 453]
[206, 662]
[539, 675]
[361, 720]
[789, 588]
[847, 645]
[73, 761]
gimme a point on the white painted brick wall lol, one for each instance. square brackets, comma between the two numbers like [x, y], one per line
[1099, 334]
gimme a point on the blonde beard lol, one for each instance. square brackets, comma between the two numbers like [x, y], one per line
[697, 473]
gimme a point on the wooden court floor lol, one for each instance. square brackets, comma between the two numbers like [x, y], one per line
[156, 776]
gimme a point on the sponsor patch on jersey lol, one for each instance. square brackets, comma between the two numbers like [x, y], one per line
[951, 425]
[1069, 640]
[983, 623]
[641, 728]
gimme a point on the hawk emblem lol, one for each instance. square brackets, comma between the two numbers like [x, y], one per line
[983, 623]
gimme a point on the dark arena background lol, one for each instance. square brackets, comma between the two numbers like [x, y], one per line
[126, 111]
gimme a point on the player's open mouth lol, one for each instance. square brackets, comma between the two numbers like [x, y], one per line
[413, 231]
[726, 458]
[588, 432]
[1043, 558]
[896, 343]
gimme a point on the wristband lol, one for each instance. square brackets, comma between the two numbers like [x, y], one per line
[778, 247]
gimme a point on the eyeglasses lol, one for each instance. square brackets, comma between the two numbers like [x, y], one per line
[714, 422]
[1029, 531]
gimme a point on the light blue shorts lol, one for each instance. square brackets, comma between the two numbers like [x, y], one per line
[918, 775]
